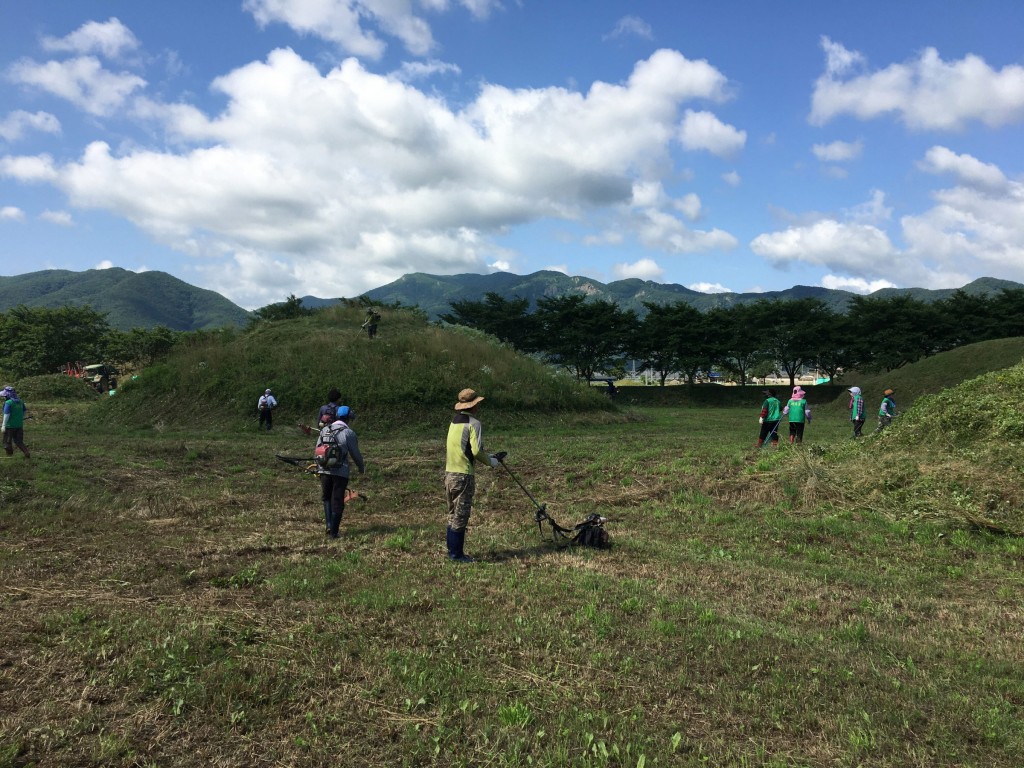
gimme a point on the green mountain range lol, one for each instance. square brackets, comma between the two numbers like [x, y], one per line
[434, 293]
[147, 299]
[129, 299]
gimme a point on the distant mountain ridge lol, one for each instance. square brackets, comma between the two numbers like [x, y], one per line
[434, 293]
[147, 299]
[129, 299]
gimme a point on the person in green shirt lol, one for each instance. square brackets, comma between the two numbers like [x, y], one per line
[13, 422]
[769, 419]
[799, 414]
[887, 410]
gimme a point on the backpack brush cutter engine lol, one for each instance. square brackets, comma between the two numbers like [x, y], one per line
[588, 533]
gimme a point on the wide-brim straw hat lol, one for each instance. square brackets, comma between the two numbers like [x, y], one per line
[468, 398]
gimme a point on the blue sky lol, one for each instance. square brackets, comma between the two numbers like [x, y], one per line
[261, 148]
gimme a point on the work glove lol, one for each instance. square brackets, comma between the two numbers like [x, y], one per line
[497, 458]
[761, 420]
[494, 461]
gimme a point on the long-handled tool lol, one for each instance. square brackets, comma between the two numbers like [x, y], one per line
[590, 532]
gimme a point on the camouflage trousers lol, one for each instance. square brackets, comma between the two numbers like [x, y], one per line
[459, 489]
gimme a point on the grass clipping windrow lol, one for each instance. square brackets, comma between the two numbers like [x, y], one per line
[954, 457]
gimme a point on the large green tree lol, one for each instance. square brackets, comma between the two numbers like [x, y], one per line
[793, 330]
[583, 336]
[894, 331]
[39, 340]
[739, 330]
[655, 340]
[507, 319]
[140, 347]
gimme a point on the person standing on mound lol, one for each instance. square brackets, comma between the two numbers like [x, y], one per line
[465, 446]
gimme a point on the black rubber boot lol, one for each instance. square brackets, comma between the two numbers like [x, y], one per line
[335, 523]
[327, 517]
[459, 540]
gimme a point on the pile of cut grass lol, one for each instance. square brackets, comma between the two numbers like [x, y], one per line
[954, 457]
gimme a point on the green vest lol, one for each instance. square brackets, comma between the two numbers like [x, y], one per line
[16, 414]
[796, 411]
[771, 407]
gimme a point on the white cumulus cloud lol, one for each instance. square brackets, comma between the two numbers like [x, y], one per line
[926, 93]
[968, 170]
[421, 70]
[732, 178]
[109, 38]
[708, 288]
[29, 168]
[83, 81]
[645, 269]
[11, 213]
[854, 284]
[60, 218]
[659, 230]
[702, 130]
[838, 151]
[337, 182]
[345, 22]
[855, 248]
[20, 122]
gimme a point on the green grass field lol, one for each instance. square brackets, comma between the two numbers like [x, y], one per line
[169, 599]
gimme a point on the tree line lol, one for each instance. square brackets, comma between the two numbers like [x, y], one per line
[745, 341]
[42, 340]
[38, 340]
[749, 340]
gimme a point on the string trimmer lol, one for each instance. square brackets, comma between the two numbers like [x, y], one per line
[589, 533]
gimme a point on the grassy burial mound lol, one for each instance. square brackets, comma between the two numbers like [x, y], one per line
[955, 457]
[410, 369]
[934, 374]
